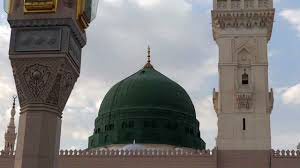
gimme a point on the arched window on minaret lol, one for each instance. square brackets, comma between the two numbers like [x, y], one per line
[245, 78]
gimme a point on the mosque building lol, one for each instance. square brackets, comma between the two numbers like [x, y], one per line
[145, 120]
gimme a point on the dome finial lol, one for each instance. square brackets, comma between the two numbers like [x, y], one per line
[148, 65]
[149, 54]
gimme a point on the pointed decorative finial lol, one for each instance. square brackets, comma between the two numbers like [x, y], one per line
[148, 65]
[13, 111]
[149, 54]
[14, 103]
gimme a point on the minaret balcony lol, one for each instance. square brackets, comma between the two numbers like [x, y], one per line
[242, 4]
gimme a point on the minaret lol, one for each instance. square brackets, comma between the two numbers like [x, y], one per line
[10, 135]
[242, 30]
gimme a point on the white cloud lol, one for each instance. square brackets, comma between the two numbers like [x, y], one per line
[116, 3]
[208, 120]
[292, 16]
[206, 114]
[292, 95]
[7, 87]
[81, 111]
[81, 134]
[146, 3]
[86, 92]
[286, 140]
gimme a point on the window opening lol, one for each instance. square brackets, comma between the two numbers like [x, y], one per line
[106, 139]
[244, 124]
[245, 78]
[124, 125]
[147, 124]
[131, 124]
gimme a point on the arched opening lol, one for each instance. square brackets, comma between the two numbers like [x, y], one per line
[245, 78]
[106, 139]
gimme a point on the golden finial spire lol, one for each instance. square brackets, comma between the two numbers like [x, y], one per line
[148, 65]
[149, 54]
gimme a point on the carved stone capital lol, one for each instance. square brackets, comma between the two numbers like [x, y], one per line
[46, 81]
[247, 19]
[79, 36]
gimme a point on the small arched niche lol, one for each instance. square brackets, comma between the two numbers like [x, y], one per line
[244, 57]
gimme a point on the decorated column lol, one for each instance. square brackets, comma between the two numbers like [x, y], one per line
[47, 37]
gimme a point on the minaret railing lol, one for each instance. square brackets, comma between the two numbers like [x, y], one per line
[242, 4]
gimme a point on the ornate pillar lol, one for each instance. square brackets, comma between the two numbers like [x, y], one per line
[45, 52]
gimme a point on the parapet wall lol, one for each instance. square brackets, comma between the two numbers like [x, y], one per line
[7, 159]
[285, 159]
[127, 159]
[169, 159]
[138, 159]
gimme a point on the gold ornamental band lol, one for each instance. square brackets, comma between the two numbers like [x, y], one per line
[39, 7]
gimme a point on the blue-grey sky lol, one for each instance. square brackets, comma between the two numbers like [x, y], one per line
[179, 32]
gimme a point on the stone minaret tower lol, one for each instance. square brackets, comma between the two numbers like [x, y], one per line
[242, 30]
[10, 135]
[47, 37]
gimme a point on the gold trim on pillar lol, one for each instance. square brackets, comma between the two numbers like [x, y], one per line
[81, 18]
[40, 6]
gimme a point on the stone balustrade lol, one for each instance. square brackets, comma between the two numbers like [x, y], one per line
[124, 153]
[166, 158]
[147, 152]
[151, 152]
[7, 154]
[286, 153]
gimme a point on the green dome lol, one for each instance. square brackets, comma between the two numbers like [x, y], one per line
[149, 108]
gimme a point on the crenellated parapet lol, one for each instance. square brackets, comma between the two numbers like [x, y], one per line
[286, 153]
[136, 153]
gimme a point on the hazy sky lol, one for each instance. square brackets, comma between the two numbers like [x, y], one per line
[179, 33]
